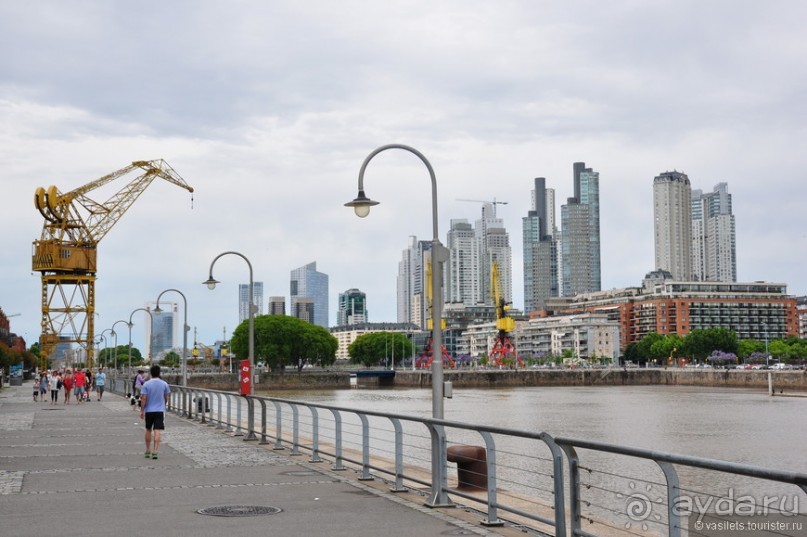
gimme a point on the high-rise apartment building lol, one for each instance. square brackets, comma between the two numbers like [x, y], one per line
[714, 250]
[352, 308]
[277, 305]
[412, 274]
[493, 243]
[243, 300]
[672, 225]
[306, 282]
[540, 242]
[462, 270]
[580, 234]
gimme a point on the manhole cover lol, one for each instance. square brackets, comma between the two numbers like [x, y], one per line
[239, 510]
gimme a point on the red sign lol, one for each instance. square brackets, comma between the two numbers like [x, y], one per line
[245, 378]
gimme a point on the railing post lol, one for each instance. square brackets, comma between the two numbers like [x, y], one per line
[263, 440]
[278, 427]
[438, 496]
[673, 488]
[295, 428]
[337, 422]
[228, 427]
[314, 435]
[190, 403]
[557, 481]
[490, 448]
[220, 421]
[574, 488]
[250, 419]
[397, 486]
[238, 429]
[365, 449]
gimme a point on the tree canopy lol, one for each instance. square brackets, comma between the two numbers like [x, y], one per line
[378, 347]
[282, 341]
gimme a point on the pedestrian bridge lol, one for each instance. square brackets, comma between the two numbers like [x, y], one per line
[373, 377]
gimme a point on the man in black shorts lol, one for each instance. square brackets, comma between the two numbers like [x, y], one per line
[154, 398]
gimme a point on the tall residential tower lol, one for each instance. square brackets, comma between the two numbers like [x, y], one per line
[714, 248]
[580, 234]
[672, 212]
[541, 259]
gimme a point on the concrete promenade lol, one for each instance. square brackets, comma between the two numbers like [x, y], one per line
[79, 470]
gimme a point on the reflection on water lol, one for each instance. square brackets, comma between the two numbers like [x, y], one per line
[741, 426]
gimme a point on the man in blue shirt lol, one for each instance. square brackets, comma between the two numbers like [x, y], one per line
[153, 398]
[100, 380]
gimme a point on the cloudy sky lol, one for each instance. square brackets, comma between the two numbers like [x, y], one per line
[268, 108]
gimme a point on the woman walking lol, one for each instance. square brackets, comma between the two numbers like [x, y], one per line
[67, 382]
[44, 378]
[55, 386]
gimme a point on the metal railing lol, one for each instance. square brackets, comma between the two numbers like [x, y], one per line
[615, 490]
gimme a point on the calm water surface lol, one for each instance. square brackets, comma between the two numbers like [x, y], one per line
[736, 425]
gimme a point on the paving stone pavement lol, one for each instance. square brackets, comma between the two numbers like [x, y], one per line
[85, 463]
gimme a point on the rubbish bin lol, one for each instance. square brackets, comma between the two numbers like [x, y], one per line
[202, 401]
[15, 381]
[472, 466]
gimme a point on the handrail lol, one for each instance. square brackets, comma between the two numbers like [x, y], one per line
[522, 505]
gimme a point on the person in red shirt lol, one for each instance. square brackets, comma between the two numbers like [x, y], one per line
[67, 382]
[79, 378]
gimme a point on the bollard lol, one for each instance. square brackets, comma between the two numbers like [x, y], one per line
[472, 467]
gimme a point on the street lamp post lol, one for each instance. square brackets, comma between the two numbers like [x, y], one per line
[131, 324]
[439, 254]
[211, 284]
[185, 329]
[106, 345]
[361, 205]
[767, 356]
[116, 342]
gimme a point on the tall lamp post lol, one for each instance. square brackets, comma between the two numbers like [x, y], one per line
[131, 324]
[767, 356]
[211, 284]
[106, 346]
[116, 341]
[185, 329]
[361, 205]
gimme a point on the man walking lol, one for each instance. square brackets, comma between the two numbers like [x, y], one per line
[79, 378]
[154, 397]
[100, 380]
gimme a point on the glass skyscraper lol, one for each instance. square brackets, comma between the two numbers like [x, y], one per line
[243, 300]
[307, 283]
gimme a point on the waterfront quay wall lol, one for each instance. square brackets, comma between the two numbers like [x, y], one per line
[718, 378]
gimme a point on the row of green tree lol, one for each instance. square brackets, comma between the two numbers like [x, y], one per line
[699, 345]
[9, 357]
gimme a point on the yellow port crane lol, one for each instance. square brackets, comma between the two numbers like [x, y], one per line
[502, 352]
[66, 252]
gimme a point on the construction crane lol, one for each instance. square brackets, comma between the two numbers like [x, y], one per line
[503, 352]
[494, 203]
[66, 252]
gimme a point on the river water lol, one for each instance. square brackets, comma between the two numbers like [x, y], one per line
[736, 425]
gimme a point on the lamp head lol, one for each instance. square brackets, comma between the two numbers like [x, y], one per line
[211, 283]
[158, 310]
[361, 205]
